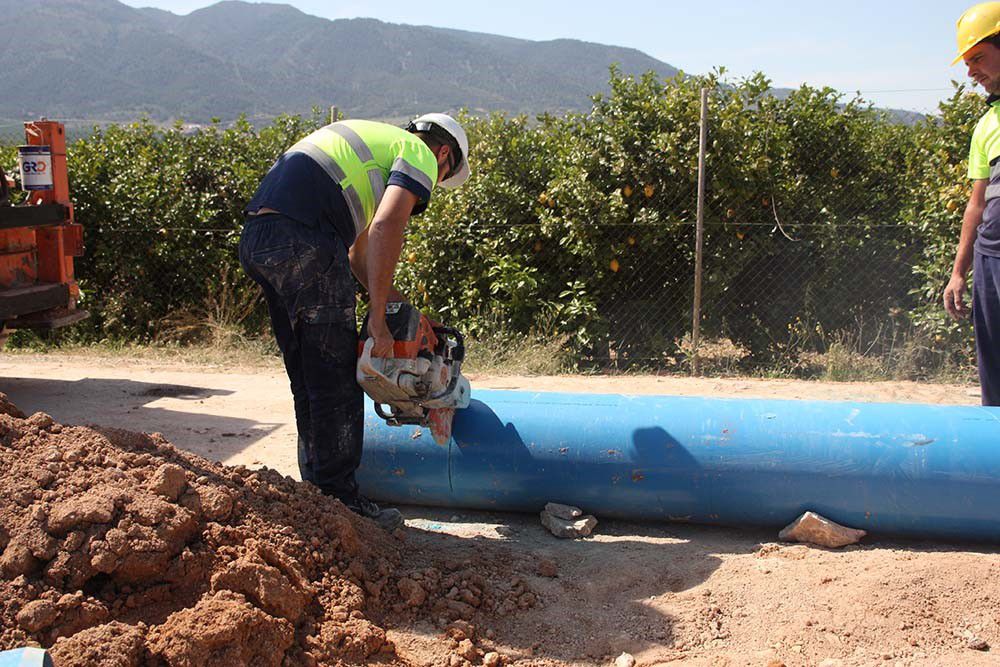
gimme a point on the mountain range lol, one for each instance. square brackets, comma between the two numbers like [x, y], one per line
[103, 60]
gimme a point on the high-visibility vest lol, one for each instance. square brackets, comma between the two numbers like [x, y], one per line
[984, 163]
[359, 155]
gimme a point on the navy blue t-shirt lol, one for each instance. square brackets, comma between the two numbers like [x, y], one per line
[297, 187]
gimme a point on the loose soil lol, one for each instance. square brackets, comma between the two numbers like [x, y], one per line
[192, 546]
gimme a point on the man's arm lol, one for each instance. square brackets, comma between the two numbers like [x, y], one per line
[358, 255]
[379, 253]
[954, 293]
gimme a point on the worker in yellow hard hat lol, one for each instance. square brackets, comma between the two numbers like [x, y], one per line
[979, 243]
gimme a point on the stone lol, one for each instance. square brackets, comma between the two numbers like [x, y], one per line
[812, 528]
[459, 630]
[37, 615]
[467, 650]
[625, 660]
[977, 644]
[546, 568]
[168, 481]
[413, 594]
[491, 659]
[566, 512]
[564, 529]
[460, 609]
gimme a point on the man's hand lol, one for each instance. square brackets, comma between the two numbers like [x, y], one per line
[954, 293]
[954, 297]
[378, 330]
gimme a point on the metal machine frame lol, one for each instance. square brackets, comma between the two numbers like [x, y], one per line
[38, 241]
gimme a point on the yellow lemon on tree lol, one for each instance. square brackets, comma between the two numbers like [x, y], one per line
[649, 190]
[627, 191]
[631, 240]
[614, 266]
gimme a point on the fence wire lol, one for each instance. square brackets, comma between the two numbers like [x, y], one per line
[805, 248]
[812, 254]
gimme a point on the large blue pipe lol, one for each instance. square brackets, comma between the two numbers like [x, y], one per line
[918, 470]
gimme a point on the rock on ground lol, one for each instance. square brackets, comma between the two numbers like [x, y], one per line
[566, 512]
[625, 660]
[815, 529]
[562, 528]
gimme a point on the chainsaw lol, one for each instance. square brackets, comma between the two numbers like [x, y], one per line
[422, 383]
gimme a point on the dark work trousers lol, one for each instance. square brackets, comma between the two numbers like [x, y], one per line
[309, 287]
[986, 317]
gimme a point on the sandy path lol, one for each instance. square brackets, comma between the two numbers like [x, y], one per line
[665, 593]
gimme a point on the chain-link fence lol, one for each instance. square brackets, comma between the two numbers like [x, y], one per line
[821, 257]
[804, 251]
[584, 232]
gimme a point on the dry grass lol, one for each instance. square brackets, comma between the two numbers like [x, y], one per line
[255, 354]
[220, 321]
[507, 354]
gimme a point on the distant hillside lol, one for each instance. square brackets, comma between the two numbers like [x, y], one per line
[100, 59]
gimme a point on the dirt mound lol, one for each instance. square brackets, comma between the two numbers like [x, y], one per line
[118, 549]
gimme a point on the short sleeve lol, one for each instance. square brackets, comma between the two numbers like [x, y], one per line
[979, 162]
[415, 169]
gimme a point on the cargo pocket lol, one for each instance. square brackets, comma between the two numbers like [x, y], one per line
[332, 329]
[336, 280]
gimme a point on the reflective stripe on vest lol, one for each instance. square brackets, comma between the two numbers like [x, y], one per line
[365, 155]
[405, 167]
[334, 171]
[323, 144]
[360, 156]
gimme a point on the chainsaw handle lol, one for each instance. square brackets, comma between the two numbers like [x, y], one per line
[392, 419]
[458, 354]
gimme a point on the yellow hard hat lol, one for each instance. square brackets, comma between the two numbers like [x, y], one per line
[977, 23]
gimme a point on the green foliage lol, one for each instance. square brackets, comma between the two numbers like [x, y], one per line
[586, 223]
[938, 192]
[162, 211]
[803, 211]
[579, 230]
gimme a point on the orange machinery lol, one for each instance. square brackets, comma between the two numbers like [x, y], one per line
[38, 238]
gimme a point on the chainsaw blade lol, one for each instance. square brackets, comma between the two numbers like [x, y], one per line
[439, 420]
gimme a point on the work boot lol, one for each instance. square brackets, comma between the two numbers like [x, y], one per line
[389, 518]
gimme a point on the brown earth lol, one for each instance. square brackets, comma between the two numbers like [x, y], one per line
[120, 549]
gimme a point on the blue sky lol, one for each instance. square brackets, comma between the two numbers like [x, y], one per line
[897, 52]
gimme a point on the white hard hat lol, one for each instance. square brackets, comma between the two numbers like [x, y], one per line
[436, 122]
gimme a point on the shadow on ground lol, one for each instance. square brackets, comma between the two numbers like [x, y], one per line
[176, 411]
[612, 589]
